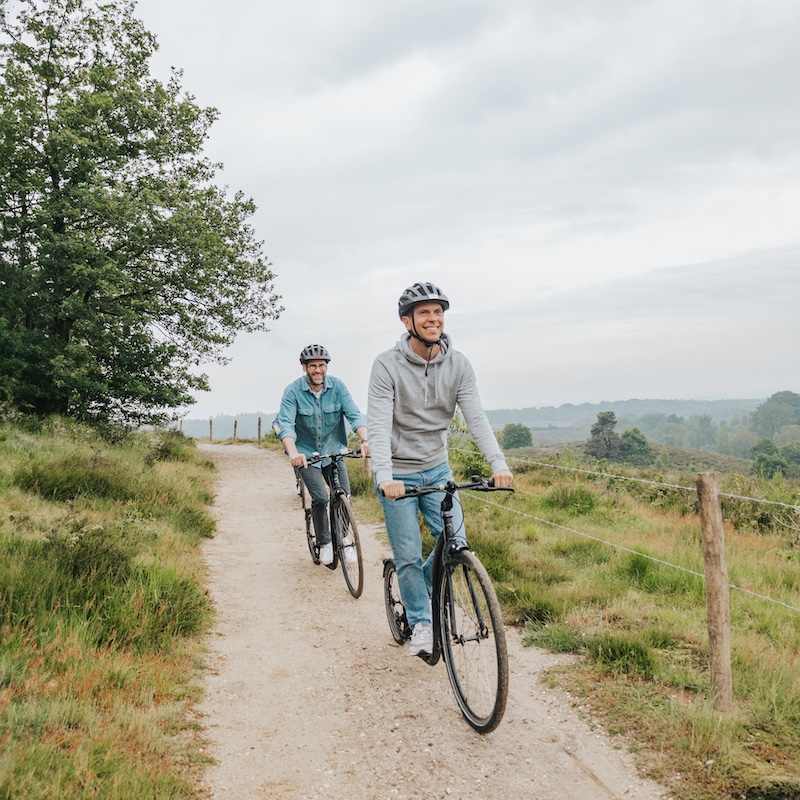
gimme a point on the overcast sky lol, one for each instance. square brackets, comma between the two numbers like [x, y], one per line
[607, 190]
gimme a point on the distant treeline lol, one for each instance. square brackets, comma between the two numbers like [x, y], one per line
[571, 423]
[565, 423]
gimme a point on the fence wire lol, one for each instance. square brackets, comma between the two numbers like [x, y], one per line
[552, 524]
[641, 480]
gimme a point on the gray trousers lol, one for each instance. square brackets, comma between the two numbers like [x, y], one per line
[317, 481]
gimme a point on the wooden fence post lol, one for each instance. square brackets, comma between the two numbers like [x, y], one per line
[259, 431]
[234, 430]
[717, 601]
[210, 430]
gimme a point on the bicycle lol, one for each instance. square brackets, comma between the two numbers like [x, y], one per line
[467, 621]
[344, 531]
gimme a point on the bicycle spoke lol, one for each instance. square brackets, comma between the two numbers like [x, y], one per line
[473, 640]
[348, 545]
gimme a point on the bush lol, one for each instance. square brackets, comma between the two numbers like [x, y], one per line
[622, 656]
[572, 497]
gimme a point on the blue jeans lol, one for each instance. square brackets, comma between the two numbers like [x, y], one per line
[402, 526]
[317, 481]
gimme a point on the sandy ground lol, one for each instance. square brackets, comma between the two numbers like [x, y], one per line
[307, 695]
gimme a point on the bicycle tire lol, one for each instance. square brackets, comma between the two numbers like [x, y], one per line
[395, 610]
[473, 641]
[347, 544]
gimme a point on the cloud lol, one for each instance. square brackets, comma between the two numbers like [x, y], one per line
[609, 188]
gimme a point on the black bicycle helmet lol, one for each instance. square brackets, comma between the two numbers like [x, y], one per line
[421, 293]
[313, 352]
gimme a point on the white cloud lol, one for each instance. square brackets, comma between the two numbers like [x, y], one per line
[540, 161]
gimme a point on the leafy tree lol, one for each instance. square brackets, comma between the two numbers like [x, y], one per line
[791, 452]
[777, 411]
[763, 447]
[769, 465]
[123, 267]
[767, 459]
[515, 434]
[604, 441]
[635, 449]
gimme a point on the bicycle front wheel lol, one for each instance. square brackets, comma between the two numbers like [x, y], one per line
[473, 641]
[348, 545]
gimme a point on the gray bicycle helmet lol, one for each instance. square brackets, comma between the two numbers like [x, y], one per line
[313, 352]
[421, 293]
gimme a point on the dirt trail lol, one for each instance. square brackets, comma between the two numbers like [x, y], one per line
[307, 695]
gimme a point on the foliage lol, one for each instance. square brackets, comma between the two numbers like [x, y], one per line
[101, 601]
[603, 440]
[514, 435]
[767, 459]
[779, 410]
[466, 459]
[635, 449]
[122, 265]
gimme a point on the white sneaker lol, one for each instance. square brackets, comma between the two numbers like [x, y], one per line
[350, 555]
[421, 639]
[326, 554]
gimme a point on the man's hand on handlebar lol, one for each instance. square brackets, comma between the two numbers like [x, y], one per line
[503, 478]
[392, 489]
[299, 460]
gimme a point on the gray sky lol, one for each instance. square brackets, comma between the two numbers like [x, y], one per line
[608, 192]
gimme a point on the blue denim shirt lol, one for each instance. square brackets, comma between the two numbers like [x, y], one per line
[317, 423]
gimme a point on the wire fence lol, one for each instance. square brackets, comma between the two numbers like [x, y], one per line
[605, 475]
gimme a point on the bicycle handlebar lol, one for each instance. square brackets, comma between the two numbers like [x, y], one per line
[343, 453]
[477, 483]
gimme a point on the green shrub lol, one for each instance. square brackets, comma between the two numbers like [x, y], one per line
[557, 638]
[621, 655]
[61, 477]
[572, 497]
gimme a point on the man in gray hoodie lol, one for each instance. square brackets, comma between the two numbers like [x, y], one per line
[414, 389]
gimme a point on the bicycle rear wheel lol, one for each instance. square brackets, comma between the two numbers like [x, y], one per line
[395, 610]
[473, 641]
[348, 544]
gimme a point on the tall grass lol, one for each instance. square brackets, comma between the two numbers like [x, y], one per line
[101, 601]
[582, 565]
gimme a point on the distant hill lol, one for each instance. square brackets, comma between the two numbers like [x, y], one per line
[564, 423]
[569, 422]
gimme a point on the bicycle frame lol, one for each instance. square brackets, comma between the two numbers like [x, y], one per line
[441, 556]
[467, 620]
[344, 531]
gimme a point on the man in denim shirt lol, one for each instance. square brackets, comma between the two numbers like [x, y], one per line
[311, 420]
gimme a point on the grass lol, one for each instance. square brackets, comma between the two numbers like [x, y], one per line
[101, 610]
[582, 564]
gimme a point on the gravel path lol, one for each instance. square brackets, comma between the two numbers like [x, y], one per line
[307, 695]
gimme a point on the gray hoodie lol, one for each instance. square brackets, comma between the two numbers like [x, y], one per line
[411, 403]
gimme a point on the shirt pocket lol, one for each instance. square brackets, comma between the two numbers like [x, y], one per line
[305, 422]
[331, 414]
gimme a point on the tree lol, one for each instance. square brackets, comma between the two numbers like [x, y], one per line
[123, 267]
[603, 441]
[635, 449]
[777, 411]
[767, 459]
[515, 434]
